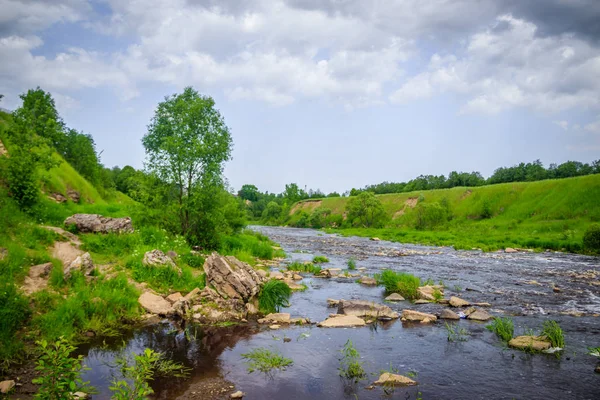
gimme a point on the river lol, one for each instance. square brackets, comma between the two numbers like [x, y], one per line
[520, 285]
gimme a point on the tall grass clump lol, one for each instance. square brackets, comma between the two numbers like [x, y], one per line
[503, 328]
[554, 333]
[591, 239]
[265, 361]
[14, 312]
[399, 282]
[252, 243]
[274, 295]
[351, 264]
[320, 260]
[351, 368]
[304, 267]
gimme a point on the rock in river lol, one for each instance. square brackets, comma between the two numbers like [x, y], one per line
[537, 343]
[449, 314]
[387, 379]
[479, 315]
[342, 321]
[458, 302]
[394, 297]
[416, 316]
[367, 280]
[275, 318]
[362, 308]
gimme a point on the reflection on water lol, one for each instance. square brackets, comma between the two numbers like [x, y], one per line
[477, 368]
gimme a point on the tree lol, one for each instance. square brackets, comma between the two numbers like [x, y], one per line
[366, 209]
[79, 150]
[39, 114]
[249, 192]
[272, 211]
[186, 145]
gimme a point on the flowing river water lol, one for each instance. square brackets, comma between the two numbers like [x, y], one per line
[520, 285]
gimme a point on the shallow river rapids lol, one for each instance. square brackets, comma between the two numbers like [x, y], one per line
[518, 285]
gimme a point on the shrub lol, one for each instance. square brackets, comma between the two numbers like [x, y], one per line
[366, 210]
[399, 282]
[554, 333]
[430, 215]
[265, 361]
[274, 295]
[60, 374]
[502, 327]
[319, 216]
[591, 239]
[320, 260]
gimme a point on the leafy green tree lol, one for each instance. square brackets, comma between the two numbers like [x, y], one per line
[79, 150]
[366, 210]
[38, 114]
[186, 145]
[272, 211]
[249, 192]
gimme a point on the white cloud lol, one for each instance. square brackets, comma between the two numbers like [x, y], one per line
[593, 127]
[30, 16]
[509, 65]
[563, 124]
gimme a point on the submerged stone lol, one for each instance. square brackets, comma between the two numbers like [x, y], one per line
[342, 321]
[537, 343]
[388, 379]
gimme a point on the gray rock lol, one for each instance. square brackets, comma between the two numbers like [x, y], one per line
[157, 258]
[94, 223]
[232, 278]
[6, 386]
[82, 263]
[394, 297]
[155, 304]
[449, 314]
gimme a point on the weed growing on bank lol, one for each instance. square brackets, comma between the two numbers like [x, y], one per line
[503, 328]
[456, 334]
[304, 267]
[351, 264]
[273, 295]
[399, 282]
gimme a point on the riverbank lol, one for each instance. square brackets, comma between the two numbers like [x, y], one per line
[552, 214]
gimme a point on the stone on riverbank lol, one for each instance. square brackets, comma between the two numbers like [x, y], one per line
[232, 278]
[157, 258]
[332, 303]
[155, 304]
[388, 379]
[275, 318]
[362, 308]
[94, 223]
[416, 316]
[6, 386]
[172, 298]
[237, 395]
[342, 321]
[537, 343]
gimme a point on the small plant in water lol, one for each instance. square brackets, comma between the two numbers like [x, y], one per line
[320, 260]
[265, 361]
[456, 334]
[437, 295]
[60, 374]
[351, 368]
[274, 295]
[352, 264]
[147, 366]
[399, 282]
[594, 351]
[554, 333]
[502, 327]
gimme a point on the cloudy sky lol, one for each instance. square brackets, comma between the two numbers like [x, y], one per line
[331, 94]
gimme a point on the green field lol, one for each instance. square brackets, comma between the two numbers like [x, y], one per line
[551, 214]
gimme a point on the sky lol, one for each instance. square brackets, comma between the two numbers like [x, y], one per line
[328, 94]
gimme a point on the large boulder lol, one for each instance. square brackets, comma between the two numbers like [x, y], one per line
[427, 292]
[94, 223]
[458, 302]
[449, 314]
[367, 280]
[342, 321]
[208, 306]
[232, 278]
[362, 308]
[479, 315]
[155, 304]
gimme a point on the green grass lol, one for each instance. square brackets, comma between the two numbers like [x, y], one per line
[456, 334]
[503, 328]
[554, 333]
[273, 295]
[551, 214]
[351, 368]
[399, 282]
[249, 245]
[320, 260]
[304, 267]
[351, 264]
[265, 361]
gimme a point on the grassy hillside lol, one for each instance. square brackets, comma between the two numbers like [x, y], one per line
[544, 214]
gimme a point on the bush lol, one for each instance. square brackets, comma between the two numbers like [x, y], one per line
[591, 239]
[399, 282]
[274, 295]
[318, 218]
[60, 374]
[366, 210]
[430, 215]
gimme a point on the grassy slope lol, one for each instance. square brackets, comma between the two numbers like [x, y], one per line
[545, 214]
